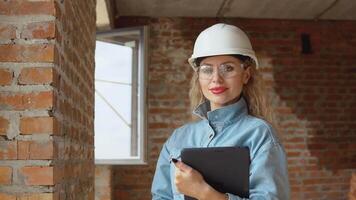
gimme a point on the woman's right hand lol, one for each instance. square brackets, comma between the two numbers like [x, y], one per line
[190, 182]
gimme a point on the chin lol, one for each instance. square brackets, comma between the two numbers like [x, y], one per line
[223, 101]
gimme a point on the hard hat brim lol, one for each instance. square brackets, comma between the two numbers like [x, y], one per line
[192, 59]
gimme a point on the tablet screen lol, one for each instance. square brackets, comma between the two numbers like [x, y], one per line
[226, 169]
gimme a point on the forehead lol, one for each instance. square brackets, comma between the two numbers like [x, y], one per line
[220, 59]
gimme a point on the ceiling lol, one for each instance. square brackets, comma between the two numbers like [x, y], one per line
[267, 9]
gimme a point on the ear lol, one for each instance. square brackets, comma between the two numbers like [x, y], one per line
[246, 75]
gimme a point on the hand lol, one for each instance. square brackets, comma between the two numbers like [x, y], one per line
[189, 181]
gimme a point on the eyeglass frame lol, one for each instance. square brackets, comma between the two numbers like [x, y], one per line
[243, 66]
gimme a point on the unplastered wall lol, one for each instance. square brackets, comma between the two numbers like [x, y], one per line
[47, 99]
[313, 96]
[103, 182]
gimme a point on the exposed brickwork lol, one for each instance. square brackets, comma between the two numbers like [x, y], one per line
[19, 7]
[8, 150]
[7, 196]
[36, 76]
[103, 183]
[27, 53]
[4, 125]
[47, 100]
[35, 150]
[23, 101]
[37, 175]
[6, 76]
[7, 31]
[352, 194]
[39, 30]
[33, 196]
[5, 175]
[74, 81]
[313, 97]
[43, 196]
[35, 125]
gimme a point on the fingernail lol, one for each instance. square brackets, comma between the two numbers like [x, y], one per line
[174, 160]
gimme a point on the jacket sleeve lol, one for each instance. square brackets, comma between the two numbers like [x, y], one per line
[161, 186]
[268, 175]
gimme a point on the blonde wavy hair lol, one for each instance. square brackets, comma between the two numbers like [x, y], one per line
[253, 92]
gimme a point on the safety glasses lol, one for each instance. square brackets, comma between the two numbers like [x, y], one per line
[227, 70]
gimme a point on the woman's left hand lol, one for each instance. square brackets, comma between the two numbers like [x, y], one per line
[189, 181]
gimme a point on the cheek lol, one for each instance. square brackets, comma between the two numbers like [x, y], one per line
[203, 86]
[235, 83]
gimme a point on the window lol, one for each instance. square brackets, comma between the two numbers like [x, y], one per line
[120, 93]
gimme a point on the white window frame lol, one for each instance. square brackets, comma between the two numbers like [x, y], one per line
[139, 97]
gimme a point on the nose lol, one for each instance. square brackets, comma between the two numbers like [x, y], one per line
[216, 76]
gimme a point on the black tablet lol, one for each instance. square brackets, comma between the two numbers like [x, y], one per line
[224, 168]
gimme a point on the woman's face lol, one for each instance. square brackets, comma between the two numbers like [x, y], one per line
[221, 79]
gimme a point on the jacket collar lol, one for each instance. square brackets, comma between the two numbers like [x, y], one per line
[225, 114]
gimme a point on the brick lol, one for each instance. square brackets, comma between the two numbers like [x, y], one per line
[22, 101]
[35, 150]
[18, 7]
[8, 150]
[27, 53]
[4, 196]
[103, 193]
[284, 110]
[4, 125]
[6, 76]
[41, 150]
[5, 175]
[34, 175]
[23, 150]
[39, 30]
[38, 196]
[293, 154]
[36, 75]
[103, 182]
[157, 125]
[36, 125]
[103, 176]
[7, 31]
[121, 194]
[352, 192]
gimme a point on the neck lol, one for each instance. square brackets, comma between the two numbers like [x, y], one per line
[214, 106]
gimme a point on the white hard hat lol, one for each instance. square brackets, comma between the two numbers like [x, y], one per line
[222, 39]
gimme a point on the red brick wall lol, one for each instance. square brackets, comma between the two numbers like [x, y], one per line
[314, 98]
[352, 194]
[103, 182]
[46, 99]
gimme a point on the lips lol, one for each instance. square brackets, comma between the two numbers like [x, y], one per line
[218, 90]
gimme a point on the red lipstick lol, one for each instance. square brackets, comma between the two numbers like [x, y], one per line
[218, 90]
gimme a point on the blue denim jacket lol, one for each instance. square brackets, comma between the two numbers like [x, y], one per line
[227, 126]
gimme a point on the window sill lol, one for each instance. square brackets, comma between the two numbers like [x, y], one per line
[127, 161]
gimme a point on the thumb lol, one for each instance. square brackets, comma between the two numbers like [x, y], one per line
[182, 166]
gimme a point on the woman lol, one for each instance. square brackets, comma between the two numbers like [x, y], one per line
[226, 94]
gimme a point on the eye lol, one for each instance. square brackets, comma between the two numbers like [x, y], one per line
[206, 69]
[228, 68]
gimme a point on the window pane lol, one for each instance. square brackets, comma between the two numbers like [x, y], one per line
[113, 62]
[112, 136]
[120, 93]
[119, 97]
[113, 98]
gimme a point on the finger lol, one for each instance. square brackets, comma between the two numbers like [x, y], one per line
[182, 166]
